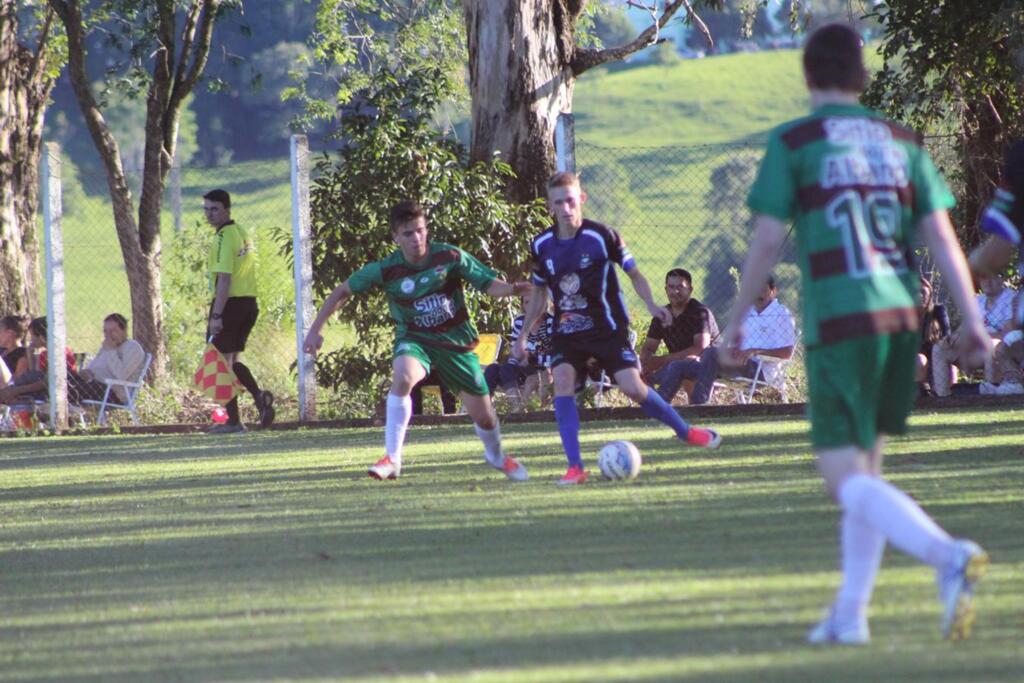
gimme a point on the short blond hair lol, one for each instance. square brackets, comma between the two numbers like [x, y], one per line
[564, 179]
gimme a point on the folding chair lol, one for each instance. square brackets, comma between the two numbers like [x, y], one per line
[131, 390]
[770, 372]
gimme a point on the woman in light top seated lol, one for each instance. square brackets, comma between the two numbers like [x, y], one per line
[119, 358]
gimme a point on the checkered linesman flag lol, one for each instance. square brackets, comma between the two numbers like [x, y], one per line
[214, 379]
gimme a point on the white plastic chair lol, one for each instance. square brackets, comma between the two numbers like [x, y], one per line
[770, 372]
[131, 390]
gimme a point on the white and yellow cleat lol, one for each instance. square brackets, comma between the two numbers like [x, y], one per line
[956, 589]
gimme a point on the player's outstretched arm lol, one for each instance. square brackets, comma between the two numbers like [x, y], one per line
[534, 309]
[500, 288]
[643, 290]
[992, 256]
[314, 340]
[769, 234]
[937, 232]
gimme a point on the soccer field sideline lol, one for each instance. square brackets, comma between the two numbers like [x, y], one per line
[273, 557]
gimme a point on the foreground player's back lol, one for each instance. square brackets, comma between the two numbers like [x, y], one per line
[856, 185]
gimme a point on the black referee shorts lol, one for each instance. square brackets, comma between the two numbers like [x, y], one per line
[239, 317]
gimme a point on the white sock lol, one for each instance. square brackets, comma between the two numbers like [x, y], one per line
[861, 549]
[884, 507]
[399, 411]
[492, 443]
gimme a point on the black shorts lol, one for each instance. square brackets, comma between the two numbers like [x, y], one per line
[239, 317]
[612, 353]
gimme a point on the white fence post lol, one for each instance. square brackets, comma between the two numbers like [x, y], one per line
[56, 331]
[565, 143]
[303, 272]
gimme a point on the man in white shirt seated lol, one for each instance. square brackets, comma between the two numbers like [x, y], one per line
[119, 358]
[768, 331]
[996, 303]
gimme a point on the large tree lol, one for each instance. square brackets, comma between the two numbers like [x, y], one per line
[524, 59]
[956, 68]
[166, 43]
[31, 56]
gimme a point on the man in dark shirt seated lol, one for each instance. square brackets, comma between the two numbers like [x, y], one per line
[692, 330]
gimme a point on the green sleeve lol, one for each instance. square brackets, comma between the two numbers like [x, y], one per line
[474, 272]
[931, 193]
[366, 277]
[774, 190]
[226, 245]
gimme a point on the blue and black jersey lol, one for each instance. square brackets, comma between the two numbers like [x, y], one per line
[580, 275]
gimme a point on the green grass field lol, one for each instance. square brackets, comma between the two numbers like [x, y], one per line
[271, 557]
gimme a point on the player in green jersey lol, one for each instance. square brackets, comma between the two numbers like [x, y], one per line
[859, 190]
[423, 283]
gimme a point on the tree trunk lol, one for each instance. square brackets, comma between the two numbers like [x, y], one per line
[175, 73]
[24, 90]
[520, 81]
[523, 64]
[983, 143]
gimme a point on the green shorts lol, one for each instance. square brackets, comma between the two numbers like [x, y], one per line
[860, 388]
[458, 370]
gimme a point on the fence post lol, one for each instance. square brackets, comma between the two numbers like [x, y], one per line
[56, 331]
[565, 143]
[303, 272]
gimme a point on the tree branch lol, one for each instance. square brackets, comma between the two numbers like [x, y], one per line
[588, 59]
[200, 53]
[37, 57]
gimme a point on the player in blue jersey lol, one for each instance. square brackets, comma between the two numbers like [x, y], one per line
[1004, 219]
[574, 259]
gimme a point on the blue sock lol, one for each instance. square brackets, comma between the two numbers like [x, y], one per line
[569, 428]
[656, 407]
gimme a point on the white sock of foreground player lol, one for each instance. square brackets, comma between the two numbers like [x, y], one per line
[399, 411]
[492, 443]
[884, 507]
[861, 549]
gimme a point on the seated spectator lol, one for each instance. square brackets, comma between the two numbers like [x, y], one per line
[12, 345]
[512, 376]
[996, 303]
[31, 385]
[692, 330]
[768, 330]
[119, 358]
[1007, 366]
[934, 326]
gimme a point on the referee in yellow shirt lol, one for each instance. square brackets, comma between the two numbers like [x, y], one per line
[233, 312]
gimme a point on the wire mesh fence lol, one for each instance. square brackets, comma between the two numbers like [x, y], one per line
[676, 207]
[685, 207]
[97, 281]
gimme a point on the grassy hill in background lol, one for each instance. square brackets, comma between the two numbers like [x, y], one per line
[729, 98]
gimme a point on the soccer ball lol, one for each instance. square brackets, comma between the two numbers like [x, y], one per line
[619, 460]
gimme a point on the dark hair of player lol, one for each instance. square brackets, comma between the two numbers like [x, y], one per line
[833, 59]
[403, 212]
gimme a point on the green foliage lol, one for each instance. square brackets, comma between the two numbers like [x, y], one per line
[956, 67]
[352, 39]
[391, 153]
[942, 61]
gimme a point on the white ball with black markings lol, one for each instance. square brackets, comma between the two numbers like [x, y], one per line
[619, 460]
